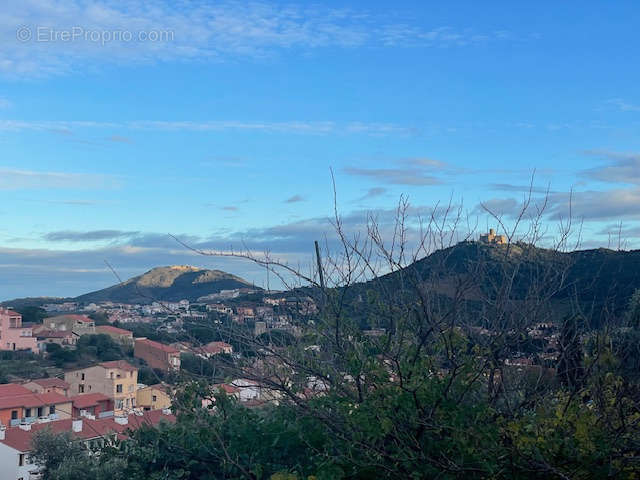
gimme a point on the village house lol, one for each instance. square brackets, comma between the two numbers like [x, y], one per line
[92, 405]
[64, 338]
[78, 324]
[16, 442]
[156, 354]
[153, 397]
[13, 336]
[214, 348]
[19, 405]
[120, 335]
[117, 380]
[48, 385]
[245, 311]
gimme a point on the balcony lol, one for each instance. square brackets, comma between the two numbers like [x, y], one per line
[30, 420]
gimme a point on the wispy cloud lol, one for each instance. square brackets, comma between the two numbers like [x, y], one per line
[507, 187]
[623, 105]
[294, 199]
[373, 193]
[230, 208]
[411, 171]
[14, 179]
[90, 236]
[620, 167]
[395, 176]
[68, 127]
[82, 203]
[141, 31]
[119, 139]
[588, 205]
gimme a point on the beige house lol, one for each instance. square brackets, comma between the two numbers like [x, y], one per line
[214, 348]
[48, 385]
[117, 380]
[78, 324]
[120, 335]
[153, 397]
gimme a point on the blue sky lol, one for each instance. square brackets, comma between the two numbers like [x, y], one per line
[220, 121]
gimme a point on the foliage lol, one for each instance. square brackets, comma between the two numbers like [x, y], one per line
[89, 349]
[23, 364]
[100, 318]
[633, 310]
[32, 314]
[61, 457]
[570, 369]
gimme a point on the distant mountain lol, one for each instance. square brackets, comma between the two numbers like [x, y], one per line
[171, 284]
[597, 283]
[18, 303]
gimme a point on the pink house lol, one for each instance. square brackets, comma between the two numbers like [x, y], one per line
[13, 336]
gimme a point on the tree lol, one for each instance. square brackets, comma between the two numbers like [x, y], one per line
[570, 361]
[633, 310]
[60, 456]
[32, 314]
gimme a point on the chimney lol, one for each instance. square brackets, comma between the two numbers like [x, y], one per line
[3, 432]
[121, 419]
[76, 425]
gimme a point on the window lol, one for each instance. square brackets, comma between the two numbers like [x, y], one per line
[154, 398]
[80, 388]
[119, 388]
[27, 412]
[52, 410]
[82, 377]
[21, 460]
[14, 414]
[119, 404]
[40, 411]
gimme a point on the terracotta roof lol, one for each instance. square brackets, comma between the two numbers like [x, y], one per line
[157, 345]
[54, 334]
[229, 389]
[20, 440]
[121, 364]
[51, 382]
[151, 418]
[216, 347]
[79, 318]
[159, 386]
[88, 400]
[31, 400]
[13, 389]
[114, 330]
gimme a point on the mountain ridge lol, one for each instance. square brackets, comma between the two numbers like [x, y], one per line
[168, 283]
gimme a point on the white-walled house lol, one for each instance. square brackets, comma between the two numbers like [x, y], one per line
[14, 455]
[15, 442]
